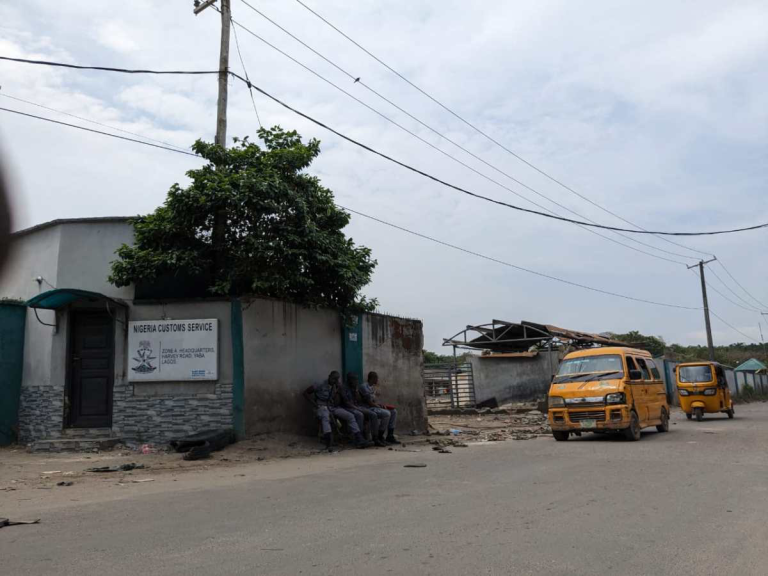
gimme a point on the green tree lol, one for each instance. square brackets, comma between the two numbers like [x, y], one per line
[283, 237]
[654, 344]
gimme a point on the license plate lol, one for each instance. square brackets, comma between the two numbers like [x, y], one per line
[589, 423]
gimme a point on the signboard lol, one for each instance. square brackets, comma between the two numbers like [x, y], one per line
[173, 350]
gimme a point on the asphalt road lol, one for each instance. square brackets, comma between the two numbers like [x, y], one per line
[693, 501]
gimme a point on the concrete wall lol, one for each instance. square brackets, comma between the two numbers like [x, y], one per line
[85, 253]
[286, 348]
[508, 379]
[392, 347]
[157, 412]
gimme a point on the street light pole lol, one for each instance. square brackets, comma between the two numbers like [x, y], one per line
[710, 345]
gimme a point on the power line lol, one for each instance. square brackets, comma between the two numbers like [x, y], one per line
[516, 267]
[89, 120]
[489, 258]
[99, 132]
[740, 286]
[481, 132]
[733, 327]
[416, 170]
[695, 273]
[453, 142]
[107, 68]
[486, 198]
[245, 71]
[751, 306]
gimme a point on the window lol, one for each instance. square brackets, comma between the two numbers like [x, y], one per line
[644, 369]
[631, 366]
[593, 367]
[691, 374]
[654, 370]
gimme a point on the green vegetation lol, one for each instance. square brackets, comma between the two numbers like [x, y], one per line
[434, 358]
[253, 222]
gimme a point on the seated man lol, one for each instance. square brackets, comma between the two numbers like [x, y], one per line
[324, 397]
[387, 414]
[349, 401]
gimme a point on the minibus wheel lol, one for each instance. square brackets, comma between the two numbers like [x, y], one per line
[560, 435]
[633, 432]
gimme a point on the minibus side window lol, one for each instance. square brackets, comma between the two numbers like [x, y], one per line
[644, 369]
[654, 370]
[630, 365]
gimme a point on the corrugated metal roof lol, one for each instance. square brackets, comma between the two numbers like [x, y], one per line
[751, 365]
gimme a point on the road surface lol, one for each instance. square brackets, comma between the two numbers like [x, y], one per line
[694, 501]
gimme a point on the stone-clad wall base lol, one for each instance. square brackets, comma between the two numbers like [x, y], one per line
[41, 413]
[160, 419]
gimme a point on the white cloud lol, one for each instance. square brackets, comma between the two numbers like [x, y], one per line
[658, 111]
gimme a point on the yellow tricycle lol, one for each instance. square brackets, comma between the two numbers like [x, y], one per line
[703, 389]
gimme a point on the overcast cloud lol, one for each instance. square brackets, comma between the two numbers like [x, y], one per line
[656, 110]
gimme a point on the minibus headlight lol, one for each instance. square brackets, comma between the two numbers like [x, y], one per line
[617, 398]
[683, 392]
[556, 402]
[710, 392]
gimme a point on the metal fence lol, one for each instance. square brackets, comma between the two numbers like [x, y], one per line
[758, 382]
[449, 385]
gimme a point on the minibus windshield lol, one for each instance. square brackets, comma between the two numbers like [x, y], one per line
[590, 367]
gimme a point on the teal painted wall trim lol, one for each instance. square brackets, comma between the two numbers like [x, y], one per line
[12, 324]
[238, 370]
[352, 347]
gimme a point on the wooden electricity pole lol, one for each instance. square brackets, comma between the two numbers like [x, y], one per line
[710, 345]
[219, 223]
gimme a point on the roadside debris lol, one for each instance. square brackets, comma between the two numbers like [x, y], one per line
[415, 466]
[120, 468]
[6, 522]
[65, 483]
[200, 445]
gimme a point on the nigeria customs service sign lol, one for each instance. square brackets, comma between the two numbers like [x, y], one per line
[173, 350]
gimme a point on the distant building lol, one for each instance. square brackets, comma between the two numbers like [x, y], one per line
[753, 366]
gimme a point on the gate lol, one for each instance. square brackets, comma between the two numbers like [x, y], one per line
[449, 385]
[12, 323]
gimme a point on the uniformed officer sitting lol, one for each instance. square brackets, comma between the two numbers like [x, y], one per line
[387, 414]
[324, 397]
[349, 396]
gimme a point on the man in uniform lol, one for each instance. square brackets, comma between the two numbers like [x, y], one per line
[349, 401]
[387, 414]
[324, 397]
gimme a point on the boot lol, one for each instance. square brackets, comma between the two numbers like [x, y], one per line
[379, 440]
[360, 442]
[327, 438]
[391, 438]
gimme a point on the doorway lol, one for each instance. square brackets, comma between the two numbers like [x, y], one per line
[91, 369]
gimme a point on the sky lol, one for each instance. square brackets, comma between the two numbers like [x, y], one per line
[656, 111]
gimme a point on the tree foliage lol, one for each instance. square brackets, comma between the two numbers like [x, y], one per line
[654, 344]
[283, 236]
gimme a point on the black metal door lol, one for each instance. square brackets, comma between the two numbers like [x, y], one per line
[91, 364]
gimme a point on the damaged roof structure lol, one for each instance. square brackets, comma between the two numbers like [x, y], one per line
[501, 337]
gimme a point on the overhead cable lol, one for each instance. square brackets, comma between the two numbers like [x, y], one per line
[89, 120]
[740, 286]
[362, 83]
[481, 132]
[447, 184]
[99, 132]
[733, 327]
[245, 71]
[455, 247]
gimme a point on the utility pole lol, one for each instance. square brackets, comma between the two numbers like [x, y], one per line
[760, 325]
[710, 345]
[219, 222]
[221, 108]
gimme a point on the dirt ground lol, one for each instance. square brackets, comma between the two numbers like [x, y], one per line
[28, 477]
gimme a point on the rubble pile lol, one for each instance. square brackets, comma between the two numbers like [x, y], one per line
[487, 425]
